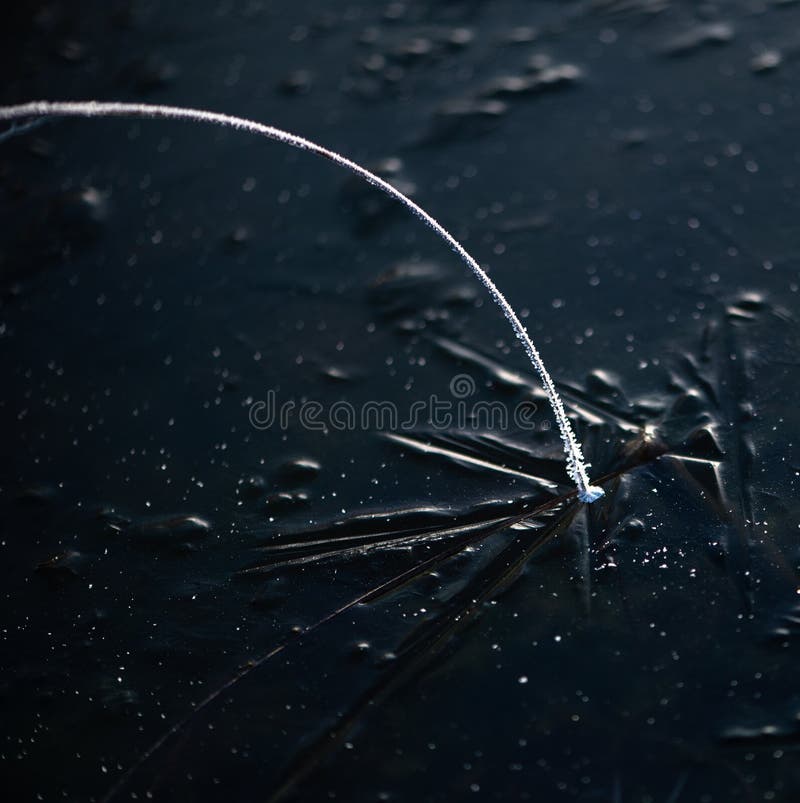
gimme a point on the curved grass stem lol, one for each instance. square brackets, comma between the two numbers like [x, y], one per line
[576, 465]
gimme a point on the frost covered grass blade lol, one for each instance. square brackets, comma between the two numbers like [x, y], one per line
[576, 465]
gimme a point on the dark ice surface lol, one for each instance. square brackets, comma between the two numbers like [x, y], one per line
[198, 607]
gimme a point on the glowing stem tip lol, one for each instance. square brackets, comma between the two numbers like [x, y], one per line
[591, 494]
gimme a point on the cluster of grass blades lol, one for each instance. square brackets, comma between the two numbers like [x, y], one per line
[630, 441]
[533, 522]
